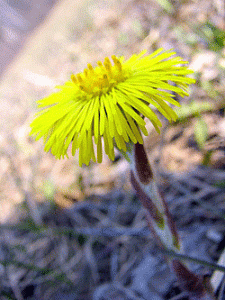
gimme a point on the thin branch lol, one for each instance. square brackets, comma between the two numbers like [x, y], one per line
[44, 271]
[210, 265]
[75, 232]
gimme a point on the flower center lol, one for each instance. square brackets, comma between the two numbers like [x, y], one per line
[100, 80]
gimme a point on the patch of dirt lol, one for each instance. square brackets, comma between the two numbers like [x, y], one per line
[18, 20]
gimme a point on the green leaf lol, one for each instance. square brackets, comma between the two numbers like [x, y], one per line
[192, 109]
[201, 132]
[214, 36]
[49, 190]
[166, 5]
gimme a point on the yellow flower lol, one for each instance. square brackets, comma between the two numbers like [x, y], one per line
[110, 101]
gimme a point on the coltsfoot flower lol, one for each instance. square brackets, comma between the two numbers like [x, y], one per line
[110, 102]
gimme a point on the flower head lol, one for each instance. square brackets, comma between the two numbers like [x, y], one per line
[110, 102]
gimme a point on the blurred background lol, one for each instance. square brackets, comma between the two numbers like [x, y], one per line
[80, 233]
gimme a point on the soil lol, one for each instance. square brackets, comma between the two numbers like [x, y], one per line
[18, 20]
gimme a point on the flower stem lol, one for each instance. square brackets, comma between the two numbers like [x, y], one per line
[161, 224]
